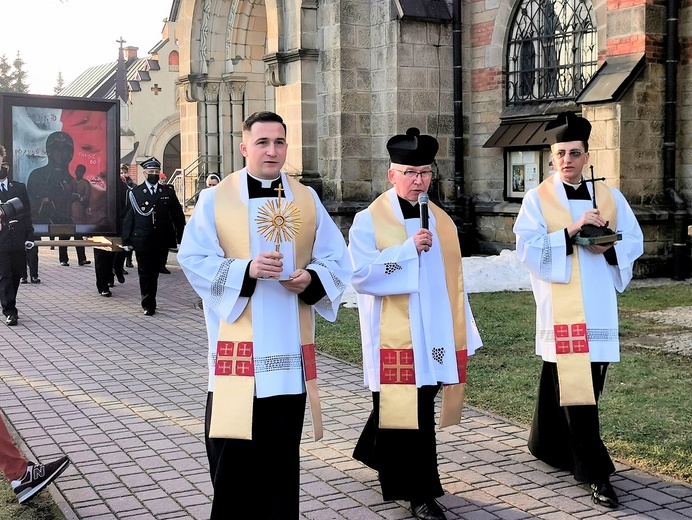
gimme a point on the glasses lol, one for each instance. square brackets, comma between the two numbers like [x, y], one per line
[574, 154]
[412, 174]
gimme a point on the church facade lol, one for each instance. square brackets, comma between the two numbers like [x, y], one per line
[482, 76]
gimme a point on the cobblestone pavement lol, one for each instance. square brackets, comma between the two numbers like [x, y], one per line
[123, 395]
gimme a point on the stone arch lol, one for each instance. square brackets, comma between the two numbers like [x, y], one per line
[161, 135]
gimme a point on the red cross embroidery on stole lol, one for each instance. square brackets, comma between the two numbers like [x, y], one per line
[462, 362]
[396, 367]
[234, 359]
[309, 364]
[571, 339]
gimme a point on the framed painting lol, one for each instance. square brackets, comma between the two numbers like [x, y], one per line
[66, 151]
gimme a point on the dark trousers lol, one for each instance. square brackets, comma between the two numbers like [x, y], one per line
[103, 268]
[569, 437]
[119, 262]
[148, 265]
[32, 262]
[12, 266]
[406, 460]
[62, 250]
[268, 466]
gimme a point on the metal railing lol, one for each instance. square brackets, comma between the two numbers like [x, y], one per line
[189, 181]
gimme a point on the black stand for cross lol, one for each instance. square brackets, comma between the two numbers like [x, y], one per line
[591, 234]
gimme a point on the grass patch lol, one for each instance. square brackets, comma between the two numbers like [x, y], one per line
[40, 507]
[646, 407]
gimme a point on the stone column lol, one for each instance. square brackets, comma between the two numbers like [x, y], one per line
[211, 101]
[237, 90]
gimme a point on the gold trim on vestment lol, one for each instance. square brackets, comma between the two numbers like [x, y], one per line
[231, 415]
[574, 365]
[399, 402]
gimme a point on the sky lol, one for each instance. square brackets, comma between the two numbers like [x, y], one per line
[72, 35]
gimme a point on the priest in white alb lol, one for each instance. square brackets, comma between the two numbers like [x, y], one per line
[416, 325]
[263, 254]
[579, 239]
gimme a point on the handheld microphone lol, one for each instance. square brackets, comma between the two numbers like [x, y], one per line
[423, 203]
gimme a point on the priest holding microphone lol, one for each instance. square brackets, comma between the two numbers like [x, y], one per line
[416, 325]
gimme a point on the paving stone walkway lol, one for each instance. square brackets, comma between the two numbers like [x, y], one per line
[123, 395]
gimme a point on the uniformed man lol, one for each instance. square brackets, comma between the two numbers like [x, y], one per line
[154, 222]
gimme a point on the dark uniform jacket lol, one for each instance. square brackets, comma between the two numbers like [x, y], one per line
[157, 221]
[15, 233]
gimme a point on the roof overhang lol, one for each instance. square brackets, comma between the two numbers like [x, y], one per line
[518, 135]
[612, 79]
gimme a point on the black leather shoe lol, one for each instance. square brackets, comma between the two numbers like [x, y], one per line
[106, 294]
[129, 264]
[23, 280]
[35, 279]
[125, 272]
[603, 494]
[65, 264]
[163, 270]
[149, 312]
[120, 277]
[11, 320]
[428, 510]
[85, 262]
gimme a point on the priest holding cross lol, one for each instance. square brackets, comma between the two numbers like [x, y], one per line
[574, 284]
[263, 254]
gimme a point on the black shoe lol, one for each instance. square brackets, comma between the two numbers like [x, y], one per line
[37, 477]
[23, 280]
[428, 510]
[120, 277]
[65, 264]
[603, 494]
[149, 312]
[35, 279]
[129, 264]
[163, 270]
[111, 283]
[11, 321]
[125, 272]
[84, 262]
[106, 294]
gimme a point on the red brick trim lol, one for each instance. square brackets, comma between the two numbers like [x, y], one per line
[486, 79]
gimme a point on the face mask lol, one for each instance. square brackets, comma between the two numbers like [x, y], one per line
[3, 174]
[153, 178]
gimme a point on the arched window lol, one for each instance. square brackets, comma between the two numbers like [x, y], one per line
[552, 51]
[173, 60]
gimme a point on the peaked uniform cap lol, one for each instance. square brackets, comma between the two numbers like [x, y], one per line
[412, 149]
[151, 163]
[566, 127]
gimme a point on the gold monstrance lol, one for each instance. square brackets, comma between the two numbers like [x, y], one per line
[279, 222]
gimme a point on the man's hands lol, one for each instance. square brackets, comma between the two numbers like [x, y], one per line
[423, 240]
[590, 216]
[300, 279]
[600, 249]
[266, 265]
[28, 244]
[269, 265]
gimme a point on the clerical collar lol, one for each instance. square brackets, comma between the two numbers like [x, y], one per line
[258, 188]
[265, 183]
[409, 208]
[576, 192]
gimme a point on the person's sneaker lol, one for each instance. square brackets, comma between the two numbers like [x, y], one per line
[37, 477]
[35, 279]
[23, 280]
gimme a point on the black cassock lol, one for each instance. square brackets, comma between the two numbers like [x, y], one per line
[569, 437]
[405, 460]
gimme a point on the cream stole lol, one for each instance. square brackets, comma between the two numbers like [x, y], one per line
[234, 381]
[569, 319]
[398, 391]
